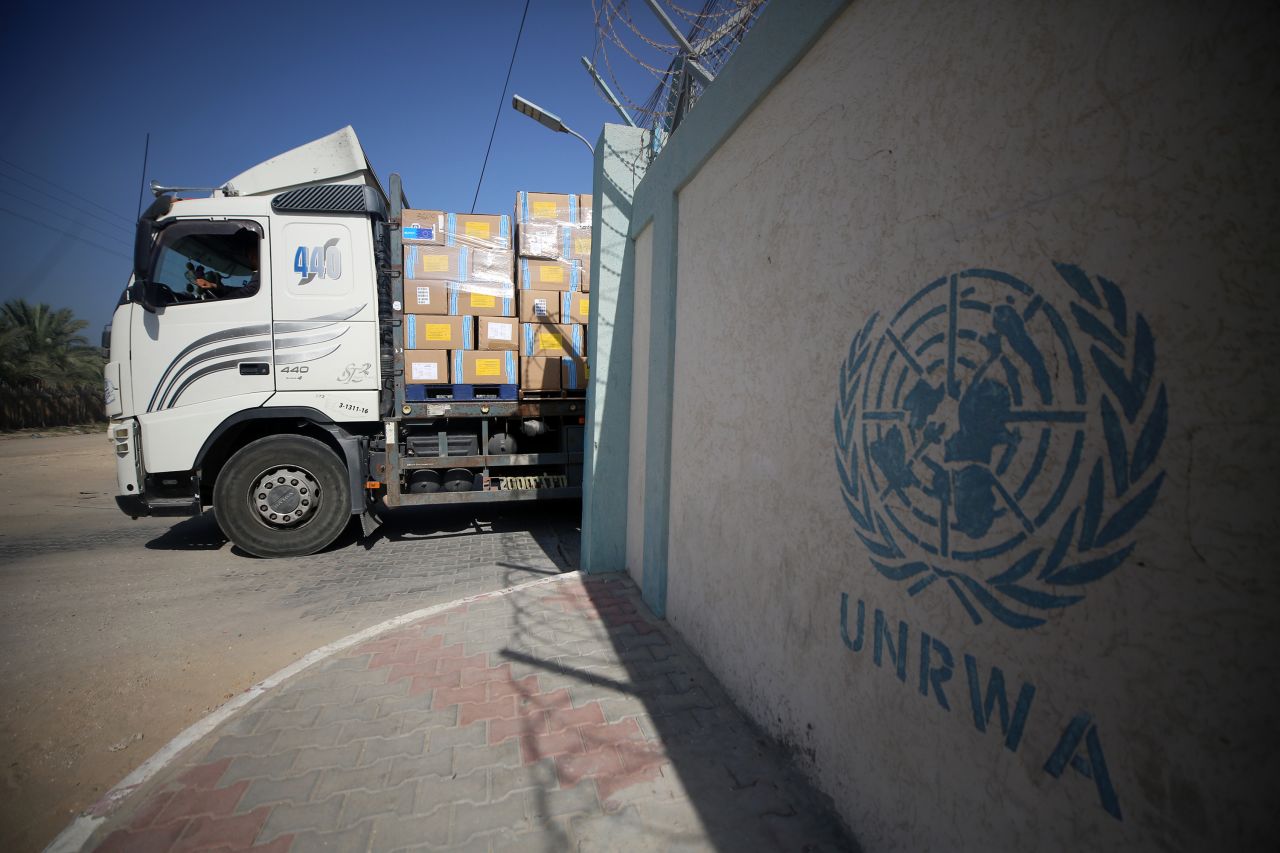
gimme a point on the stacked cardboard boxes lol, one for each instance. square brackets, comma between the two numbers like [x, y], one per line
[489, 304]
[553, 285]
[460, 321]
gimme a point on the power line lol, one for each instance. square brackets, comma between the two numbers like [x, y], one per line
[67, 233]
[75, 207]
[65, 190]
[502, 99]
[57, 213]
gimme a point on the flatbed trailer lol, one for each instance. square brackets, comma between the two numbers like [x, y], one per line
[563, 416]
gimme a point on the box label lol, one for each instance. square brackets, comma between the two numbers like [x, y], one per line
[424, 295]
[437, 332]
[584, 306]
[488, 367]
[544, 209]
[483, 300]
[501, 331]
[419, 232]
[435, 263]
[427, 372]
[582, 245]
[540, 308]
[550, 273]
[477, 229]
[549, 341]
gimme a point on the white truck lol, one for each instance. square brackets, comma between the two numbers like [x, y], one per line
[256, 367]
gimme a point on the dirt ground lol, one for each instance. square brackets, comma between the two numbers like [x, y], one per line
[117, 634]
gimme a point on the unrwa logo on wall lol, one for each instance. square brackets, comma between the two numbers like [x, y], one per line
[990, 442]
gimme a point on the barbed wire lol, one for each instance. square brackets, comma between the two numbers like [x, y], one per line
[625, 16]
[667, 49]
[725, 21]
[605, 13]
[690, 15]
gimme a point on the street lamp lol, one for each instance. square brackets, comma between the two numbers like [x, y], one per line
[546, 119]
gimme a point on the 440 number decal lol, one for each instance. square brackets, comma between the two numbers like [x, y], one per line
[312, 262]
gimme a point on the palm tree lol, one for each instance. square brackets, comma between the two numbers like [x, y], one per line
[42, 349]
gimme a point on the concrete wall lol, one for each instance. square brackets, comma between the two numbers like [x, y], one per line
[959, 440]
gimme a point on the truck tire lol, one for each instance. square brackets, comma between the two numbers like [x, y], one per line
[283, 496]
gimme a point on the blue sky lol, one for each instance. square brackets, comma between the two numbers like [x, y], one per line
[222, 86]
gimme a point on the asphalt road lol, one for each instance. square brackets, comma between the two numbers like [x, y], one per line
[117, 634]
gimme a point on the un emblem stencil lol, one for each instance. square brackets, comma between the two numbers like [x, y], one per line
[990, 441]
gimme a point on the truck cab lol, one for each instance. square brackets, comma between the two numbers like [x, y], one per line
[255, 362]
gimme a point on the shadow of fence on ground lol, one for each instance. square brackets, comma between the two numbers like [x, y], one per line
[630, 710]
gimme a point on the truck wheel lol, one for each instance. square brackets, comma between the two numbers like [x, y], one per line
[283, 496]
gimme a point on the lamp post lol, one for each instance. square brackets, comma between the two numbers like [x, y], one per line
[546, 119]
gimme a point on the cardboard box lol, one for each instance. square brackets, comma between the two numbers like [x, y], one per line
[436, 263]
[426, 367]
[484, 368]
[575, 308]
[426, 297]
[459, 263]
[422, 226]
[490, 266]
[539, 306]
[498, 333]
[574, 373]
[539, 374]
[550, 208]
[556, 242]
[584, 210]
[555, 339]
[427, 332]
[481, 300]
[478, 230]
[537, 274]
[542, 240]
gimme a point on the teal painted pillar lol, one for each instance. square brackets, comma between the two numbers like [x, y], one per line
[621, 158]
[662, 373]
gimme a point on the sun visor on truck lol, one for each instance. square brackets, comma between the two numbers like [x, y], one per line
[331, 198]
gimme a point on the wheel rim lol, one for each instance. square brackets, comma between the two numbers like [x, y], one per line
[285, 496]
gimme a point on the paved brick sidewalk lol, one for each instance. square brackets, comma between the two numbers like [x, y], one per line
[555, 717]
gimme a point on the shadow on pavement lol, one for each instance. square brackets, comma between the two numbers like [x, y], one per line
[675, 763]
[193, 534]
[423, 556]
[553, 525]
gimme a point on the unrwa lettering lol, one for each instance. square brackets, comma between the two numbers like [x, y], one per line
[936, 668]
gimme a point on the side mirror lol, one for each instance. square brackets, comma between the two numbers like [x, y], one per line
[146, 295]
[150, 296]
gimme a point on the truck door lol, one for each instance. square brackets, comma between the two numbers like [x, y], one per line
[325, 308]
[210, 343]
